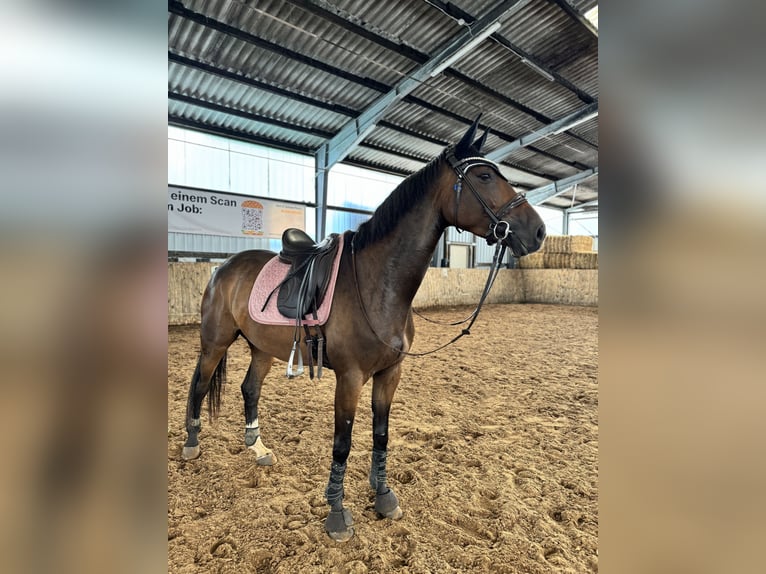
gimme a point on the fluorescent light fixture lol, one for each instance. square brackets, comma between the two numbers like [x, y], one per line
[465, 49]
[538, 69]
[576, 123]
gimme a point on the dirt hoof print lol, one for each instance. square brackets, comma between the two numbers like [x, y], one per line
[223, 548]
[294, 524]
[558, 515]
[405, 477]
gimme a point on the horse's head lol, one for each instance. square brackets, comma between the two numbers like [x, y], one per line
[483, 202]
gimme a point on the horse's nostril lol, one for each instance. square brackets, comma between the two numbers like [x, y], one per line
[541, 232]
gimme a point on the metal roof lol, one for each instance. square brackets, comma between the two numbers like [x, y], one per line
[362, 78]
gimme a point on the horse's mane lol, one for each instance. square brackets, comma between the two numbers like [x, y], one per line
[389, 213]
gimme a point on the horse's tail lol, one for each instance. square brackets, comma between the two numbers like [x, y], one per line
[217, 381]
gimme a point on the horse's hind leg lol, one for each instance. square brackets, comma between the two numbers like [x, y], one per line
[260, 364]
[209, 375]
[383, 387]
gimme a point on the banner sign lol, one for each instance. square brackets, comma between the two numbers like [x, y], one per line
[216, 213]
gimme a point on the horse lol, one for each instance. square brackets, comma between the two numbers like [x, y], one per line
[370, 328]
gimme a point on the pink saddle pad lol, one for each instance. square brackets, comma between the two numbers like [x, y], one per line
[272, 275]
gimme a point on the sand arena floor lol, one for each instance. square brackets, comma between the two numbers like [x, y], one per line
[493, 453]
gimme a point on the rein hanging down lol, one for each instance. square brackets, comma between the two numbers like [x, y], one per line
[493, 270]
[495, 236]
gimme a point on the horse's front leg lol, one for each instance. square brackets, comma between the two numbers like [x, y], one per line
[339, 524]
[383, 388]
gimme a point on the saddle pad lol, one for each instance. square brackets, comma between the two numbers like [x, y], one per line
[272, 275]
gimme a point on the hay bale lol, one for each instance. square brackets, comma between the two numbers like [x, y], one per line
[444, 286]
[554, 244]
[585, 260]
[561, 286]
[567, 243]
[532, 261]
[557, 260]
[570, 260]
[186, 284]
[579, 243]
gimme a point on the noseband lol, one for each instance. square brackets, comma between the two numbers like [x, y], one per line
[499, 229]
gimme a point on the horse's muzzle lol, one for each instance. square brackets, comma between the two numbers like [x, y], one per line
[502, 232]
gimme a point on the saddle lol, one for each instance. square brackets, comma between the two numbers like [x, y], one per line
[303, 289]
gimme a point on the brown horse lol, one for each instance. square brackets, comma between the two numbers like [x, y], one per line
[370, 327]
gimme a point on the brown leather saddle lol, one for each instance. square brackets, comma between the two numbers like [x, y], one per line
[302, 290]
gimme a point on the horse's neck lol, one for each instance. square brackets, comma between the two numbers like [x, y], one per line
[403, 257]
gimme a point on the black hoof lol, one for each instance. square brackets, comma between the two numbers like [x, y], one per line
[339, 525]
[388, 505]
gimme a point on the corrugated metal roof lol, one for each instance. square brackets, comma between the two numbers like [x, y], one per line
[293, 73]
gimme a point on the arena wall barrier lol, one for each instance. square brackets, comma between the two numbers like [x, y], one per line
[441, 287]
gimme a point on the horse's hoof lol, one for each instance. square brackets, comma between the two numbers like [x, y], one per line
[266, 459]
[395, 514]
[343, 536]
[387, 505]
[263, 455]
[190, 452]
[339, 525]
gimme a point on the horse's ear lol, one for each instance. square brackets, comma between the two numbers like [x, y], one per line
[479, 143]
[463, 147]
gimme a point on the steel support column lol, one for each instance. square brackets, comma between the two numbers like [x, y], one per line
[321, 176]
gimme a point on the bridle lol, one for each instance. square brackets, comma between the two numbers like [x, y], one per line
[494, 235]
[499, 229]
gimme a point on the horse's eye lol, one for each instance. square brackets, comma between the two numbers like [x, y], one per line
[485, 176]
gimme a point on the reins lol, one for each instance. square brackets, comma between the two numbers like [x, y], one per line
[493, 270]
[495, 235]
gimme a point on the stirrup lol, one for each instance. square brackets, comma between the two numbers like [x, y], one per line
[299, 371]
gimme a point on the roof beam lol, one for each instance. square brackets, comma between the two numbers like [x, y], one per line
[248, 115]
[237, 135]
[337, 108]
[457, 13]
[540, 194]
[420, 57]
[349, 112]
[234, 77]
[554, 157]
[314, 7]
[176, 7]
[540, 117]
[575, 15]
[558, 126]
[579, 206]
[558, 78]
[357, 129]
